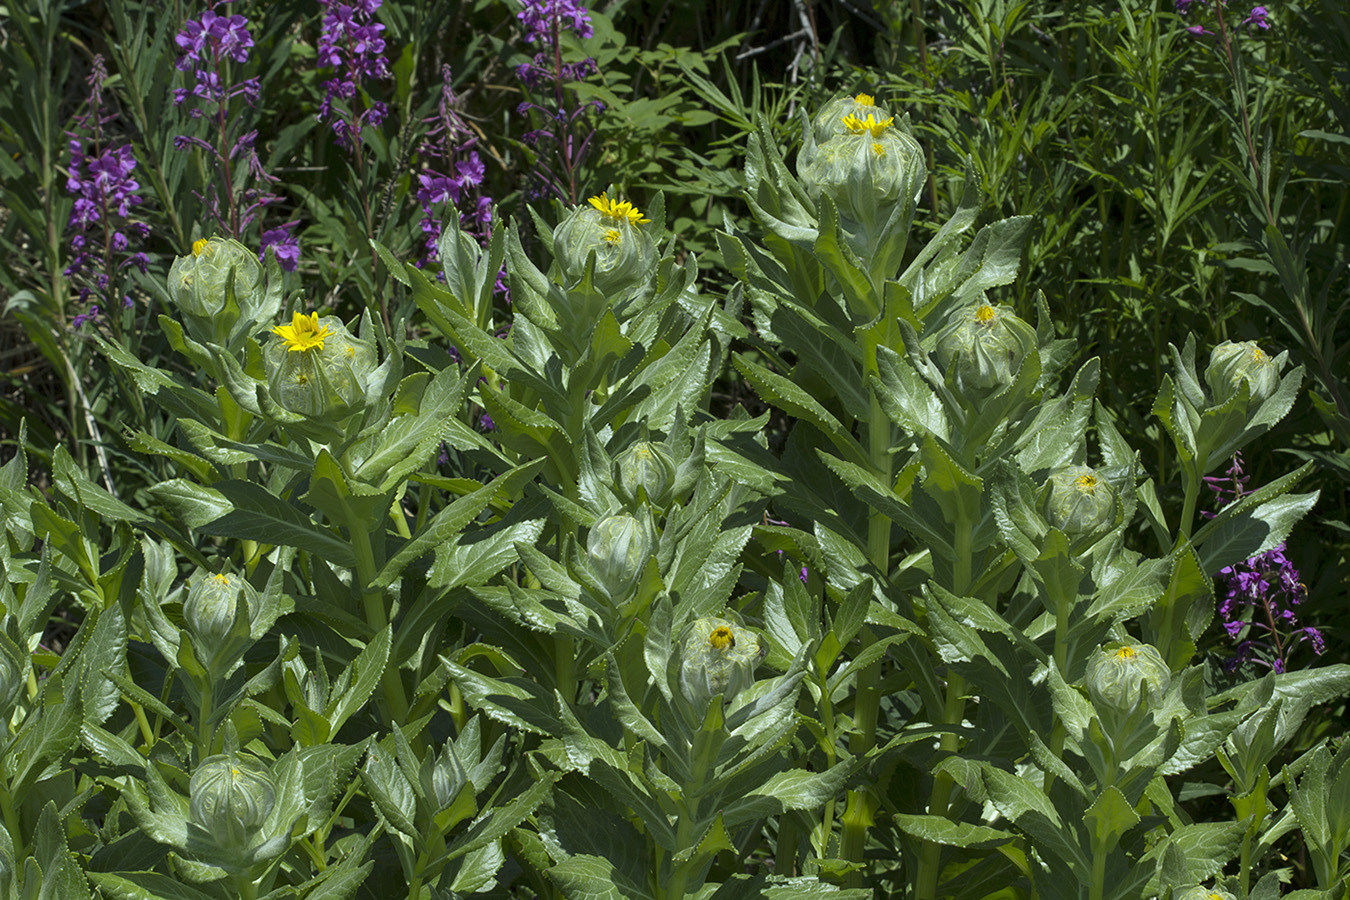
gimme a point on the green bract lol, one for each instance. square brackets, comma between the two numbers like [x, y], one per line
[317, 368]
[648, 468]
[612, 230]
[231, 796]
[1121, 676]
[982, 350]
[1079, 501]
[618, 547]
[718, 657]
[218, 612]
[1230, 364]
[197, 282]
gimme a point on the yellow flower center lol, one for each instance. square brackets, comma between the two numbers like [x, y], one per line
[985, 314]
[618, 210]
[721, 638]
[878, 149]
[864, 100]
[1126, 653]
[222, 579]
[303, 334]
[870, 125]
[201, 246]
[1086, 483]
[613, 236]
[1258, 355]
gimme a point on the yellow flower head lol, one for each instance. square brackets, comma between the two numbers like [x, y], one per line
[613, 236]
[870, 125]
[303, 334]
[618, 210]
[222, 579]
[1086, 483]
[721, 638]
[1126, 653]
[985, 314]
[878, 149]
[200, 246]
[1258, 355]
[865, 100]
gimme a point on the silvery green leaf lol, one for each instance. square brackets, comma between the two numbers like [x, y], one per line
[389, 790]
[1254, 532]
[105, 650]
[792, 789]
[145, 886]
[941, 830]
[584, 877]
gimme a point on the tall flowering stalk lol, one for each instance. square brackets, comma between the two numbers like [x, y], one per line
[449, 147]
[1260, 595]
[102, 225]
[212, 47]
[545, 78]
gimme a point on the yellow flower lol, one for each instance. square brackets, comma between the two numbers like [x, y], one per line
[1087, 484]
[870, 125]
[198, 246]
[865, 100]
[721, 638]
[303, 334]
[615, 209]
[613, 236]
[985, 314]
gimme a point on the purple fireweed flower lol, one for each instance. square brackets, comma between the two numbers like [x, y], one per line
[102, 225]
[563, 139]
[1260, 595]
[210, 45]
[1256, 19]
[353, 47]
[284, 245]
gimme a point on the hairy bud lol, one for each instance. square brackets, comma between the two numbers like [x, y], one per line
[1079, 501]
[718, 657]
[648, 468]
[982, 350]
[1121, 676]
[1230, 364]
[230, 798]
[618, 547]
[317, 368]
[612, 230]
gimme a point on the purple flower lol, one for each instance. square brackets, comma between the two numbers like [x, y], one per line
[82, 318]
[284, 245]
[1198, 31]
[353, 47]
[1256, 19]
[539, 17]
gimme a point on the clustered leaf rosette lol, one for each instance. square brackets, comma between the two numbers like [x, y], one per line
[230, 798]
[981, 351]
[219, 613]
[871, 169]
[219, 286]
[1078, 501]
[718, 658]
[1233, 364]
[318, 369]
[612, 231]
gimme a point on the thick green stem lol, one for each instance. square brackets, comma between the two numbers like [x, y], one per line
[930, 857]
[785, 849]
[1098, 888]
[372, 602]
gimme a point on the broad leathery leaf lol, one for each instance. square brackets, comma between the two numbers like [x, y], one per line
[786, 395]
[474, 559]
[1109, 818]
[62, 877]
[498, 822]
[260, 516]
[956, 491]
[145, 886]
[368, 668]
[451, 521]
[1254, 532]
[592, 878]
[941, 830]
[1279, 487]
[793, 789]
[105, 650]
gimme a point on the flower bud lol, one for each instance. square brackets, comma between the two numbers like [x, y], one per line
[618, 547]
[317, 368]
[1121, 676]
[197, 282]
[1231, 363]
[624, 252]
[1079, 501]
[829, 122]
[647, 467]
[718, 658]
[212, 605]
[230, 799]
[983, 349]
[867, 170]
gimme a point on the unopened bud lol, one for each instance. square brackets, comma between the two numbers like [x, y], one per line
[1230, 364]
[646, 467]
[618, 547]
[1079, 501]
[983, 349]
[317, 368]
[230, 798]
[1121, 676]
[719, 657]
[624, 252]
